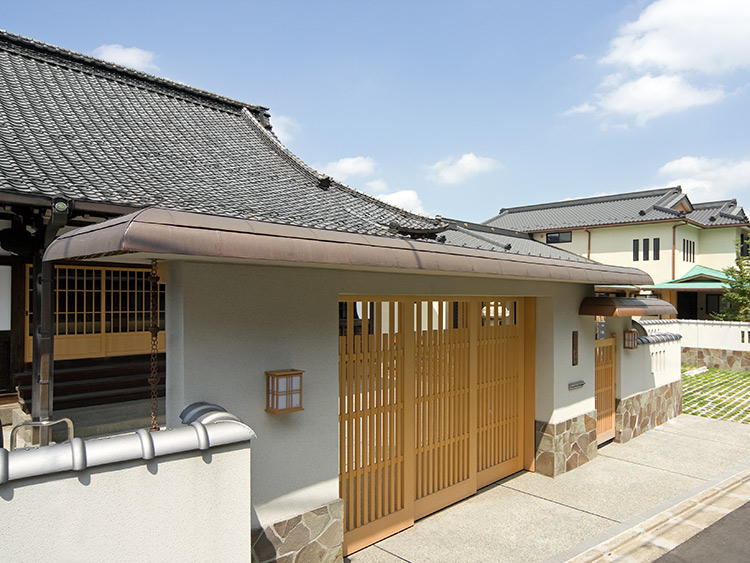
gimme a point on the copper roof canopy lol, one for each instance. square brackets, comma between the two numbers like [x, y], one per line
[624, 307]
[156, 232]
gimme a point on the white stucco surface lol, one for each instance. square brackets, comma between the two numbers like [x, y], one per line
[718, 335]
[646, 367]
[186, 507]
[227, 324]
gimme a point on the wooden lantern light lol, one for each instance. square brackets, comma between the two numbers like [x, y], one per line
[284, 390]
[630, 339]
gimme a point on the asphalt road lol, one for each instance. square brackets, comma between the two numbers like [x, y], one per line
[725, 541]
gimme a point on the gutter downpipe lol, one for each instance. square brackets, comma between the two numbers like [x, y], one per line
[588, 253]
[42, 378]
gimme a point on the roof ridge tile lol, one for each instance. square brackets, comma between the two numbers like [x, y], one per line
[59, 56]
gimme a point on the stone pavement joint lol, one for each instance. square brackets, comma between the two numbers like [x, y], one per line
[660, 534]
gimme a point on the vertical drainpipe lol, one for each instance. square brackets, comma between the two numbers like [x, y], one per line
[588, 254]
[44, 323]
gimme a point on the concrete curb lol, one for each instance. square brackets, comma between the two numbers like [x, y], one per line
[653, 536]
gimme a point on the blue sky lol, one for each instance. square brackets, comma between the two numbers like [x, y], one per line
[457, 108]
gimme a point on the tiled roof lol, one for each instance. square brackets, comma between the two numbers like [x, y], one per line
[633, 207]
[724, 212]
[460, 233]
[86, 130]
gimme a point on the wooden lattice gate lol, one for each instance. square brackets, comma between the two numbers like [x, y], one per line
[605, 364]
[431, 405]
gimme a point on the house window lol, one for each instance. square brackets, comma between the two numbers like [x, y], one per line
[635, 250]
[656, 248]
[645, 249]
[744, 246]
[99, 311]
[561, 236]
[688, 250]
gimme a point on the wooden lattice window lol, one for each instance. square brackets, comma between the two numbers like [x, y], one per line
[99, 311]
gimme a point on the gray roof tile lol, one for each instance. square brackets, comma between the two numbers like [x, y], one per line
[633, 207]
[87, 130]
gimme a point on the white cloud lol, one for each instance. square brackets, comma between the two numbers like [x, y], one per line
[579, 57]
[686, 35]
[451, 171]
[285, 127]
[583, 108]
[669, 59]
[346, 168]
[653, 96]
[708, 179]
[377, 186]
[131, 57]
[406, 199]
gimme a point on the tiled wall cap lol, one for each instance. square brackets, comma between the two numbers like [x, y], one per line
[79, 454]
[659, 337]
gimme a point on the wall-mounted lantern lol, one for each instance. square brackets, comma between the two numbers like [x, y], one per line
[630, 339]
[284, 390]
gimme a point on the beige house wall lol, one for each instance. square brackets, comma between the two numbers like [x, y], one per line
[228, 324]
[718, 248]
[714, 248]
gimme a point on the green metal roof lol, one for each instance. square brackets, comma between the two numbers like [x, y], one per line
[698, 278]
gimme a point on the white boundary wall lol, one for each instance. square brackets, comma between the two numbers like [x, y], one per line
[650, 366]
[716, 335]
[174, 495]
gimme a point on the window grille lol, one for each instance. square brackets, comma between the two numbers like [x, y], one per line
[94, 307]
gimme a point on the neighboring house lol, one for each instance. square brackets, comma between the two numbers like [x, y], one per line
[437, 356]
[659, 231]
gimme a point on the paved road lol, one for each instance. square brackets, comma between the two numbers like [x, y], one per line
[726, 541]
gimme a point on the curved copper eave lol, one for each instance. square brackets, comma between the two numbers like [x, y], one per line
[155, 231]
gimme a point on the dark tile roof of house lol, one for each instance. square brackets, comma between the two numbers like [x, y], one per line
[634, 207]
[464, 233]
[75, 127]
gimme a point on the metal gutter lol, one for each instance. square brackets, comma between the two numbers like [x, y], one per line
[155, 232]
[214, 428]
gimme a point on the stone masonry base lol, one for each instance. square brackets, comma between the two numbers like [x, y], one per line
[639, 413]
[566, 445]
[735, 360]
[314, 537]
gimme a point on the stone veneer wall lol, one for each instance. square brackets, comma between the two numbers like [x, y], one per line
[639, 413]
[566, 445]
[314, 537]
[735, 360]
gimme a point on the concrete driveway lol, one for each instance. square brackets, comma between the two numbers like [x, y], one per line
[532, 518]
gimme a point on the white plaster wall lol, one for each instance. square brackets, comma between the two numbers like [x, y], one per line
[579, 243]
[691, 233]
[717, 247]
[228, 324]
[188, 507]
[719, 335]
[614, 245]
[645, 367]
